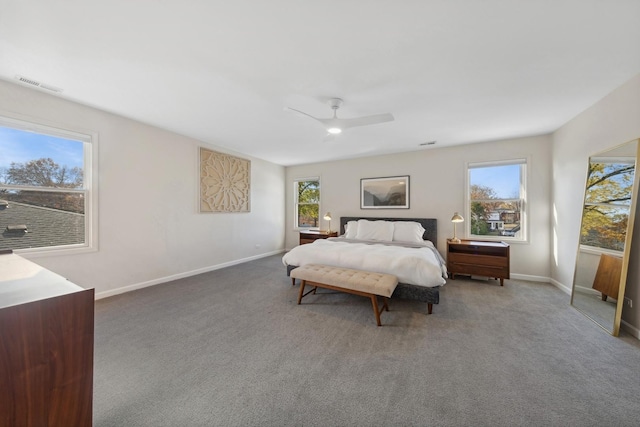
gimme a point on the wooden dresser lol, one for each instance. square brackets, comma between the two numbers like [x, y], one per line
[477, 257]
[46, 347]
[310, 236]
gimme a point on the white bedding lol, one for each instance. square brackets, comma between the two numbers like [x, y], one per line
[416, 265]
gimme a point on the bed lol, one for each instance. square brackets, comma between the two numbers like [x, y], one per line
[412, 257]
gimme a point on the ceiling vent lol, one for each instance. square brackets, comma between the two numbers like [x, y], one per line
[36, 83]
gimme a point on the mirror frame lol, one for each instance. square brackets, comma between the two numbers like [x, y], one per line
[627, 244]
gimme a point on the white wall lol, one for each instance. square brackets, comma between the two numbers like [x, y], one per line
[149, 228]
[437, 190]
[612, 121]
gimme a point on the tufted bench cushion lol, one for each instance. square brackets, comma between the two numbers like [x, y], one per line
[358, 282]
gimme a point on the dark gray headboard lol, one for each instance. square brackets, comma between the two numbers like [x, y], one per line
[430, 225]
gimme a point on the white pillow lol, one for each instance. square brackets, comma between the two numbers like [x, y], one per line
[351, 229]
[408, 231]
[375, 230]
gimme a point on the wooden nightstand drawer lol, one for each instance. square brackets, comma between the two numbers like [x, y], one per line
[479, 258]
[310, 236]
[487, 260]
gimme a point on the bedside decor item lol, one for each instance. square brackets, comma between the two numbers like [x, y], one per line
[327, 217]
[225, 182]
[384, 193]
[456, 219]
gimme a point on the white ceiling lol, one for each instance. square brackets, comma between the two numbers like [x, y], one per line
[222, 71]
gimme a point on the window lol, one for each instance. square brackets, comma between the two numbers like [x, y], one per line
[307, 202]
[496, 200]
[607, 203]
[45, 187]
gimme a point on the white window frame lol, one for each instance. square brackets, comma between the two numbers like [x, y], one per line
[295, 201]
[89, 189]
[524, 179]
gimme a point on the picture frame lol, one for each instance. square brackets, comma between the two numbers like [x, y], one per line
[391, 192]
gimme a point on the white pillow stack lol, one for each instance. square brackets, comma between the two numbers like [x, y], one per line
[385, 231]
[375, 230]
[408, 231]
[351, 229]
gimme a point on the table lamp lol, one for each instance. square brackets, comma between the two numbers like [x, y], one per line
[456, 219]
[327, 217]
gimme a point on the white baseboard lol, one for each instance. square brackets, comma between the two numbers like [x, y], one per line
[529, 278]
[562, 287]
[630, 329]
[165, 279]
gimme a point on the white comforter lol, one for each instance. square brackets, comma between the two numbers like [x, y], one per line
[422, 266]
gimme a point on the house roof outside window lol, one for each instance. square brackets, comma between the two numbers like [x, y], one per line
[25, 226]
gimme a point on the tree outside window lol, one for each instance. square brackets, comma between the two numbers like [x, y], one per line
[607, 204]
[307, 193]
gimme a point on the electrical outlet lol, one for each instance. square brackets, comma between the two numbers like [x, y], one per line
[629, 302]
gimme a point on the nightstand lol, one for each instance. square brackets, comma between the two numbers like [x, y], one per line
[477, 257]
[310, 236]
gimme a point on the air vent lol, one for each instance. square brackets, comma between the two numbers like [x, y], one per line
[17, 229]
[38, 84]
[423, 144]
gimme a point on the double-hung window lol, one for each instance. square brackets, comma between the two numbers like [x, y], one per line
[307, 202]
[496, 200]
[45, 187]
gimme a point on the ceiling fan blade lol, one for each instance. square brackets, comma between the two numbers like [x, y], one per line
[367, 120]
[357, 121]
[302, 112]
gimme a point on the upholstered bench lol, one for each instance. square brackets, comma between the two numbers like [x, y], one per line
[357, 282]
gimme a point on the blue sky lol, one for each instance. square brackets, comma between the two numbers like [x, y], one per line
[21, 146]
[505, 180]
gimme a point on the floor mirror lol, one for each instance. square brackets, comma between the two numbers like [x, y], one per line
[606, 228]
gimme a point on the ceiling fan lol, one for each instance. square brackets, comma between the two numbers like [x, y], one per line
[336, 125]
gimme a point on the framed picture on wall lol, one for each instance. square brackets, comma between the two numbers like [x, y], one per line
[390, 192]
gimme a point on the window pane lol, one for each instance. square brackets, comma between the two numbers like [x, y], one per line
[308, 215]
[495, 182]
[309, 192]
[40, 160]
[495, 200]
[604, 226]
[308, 203]
[35, 219]
[39, 168]
[610, 183]
[498, 218]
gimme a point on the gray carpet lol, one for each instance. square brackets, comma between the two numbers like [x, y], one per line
[232, 348]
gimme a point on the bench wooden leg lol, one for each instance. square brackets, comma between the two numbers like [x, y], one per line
[374, 303]
[293, 281]
[429, 307]
[300, 294]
